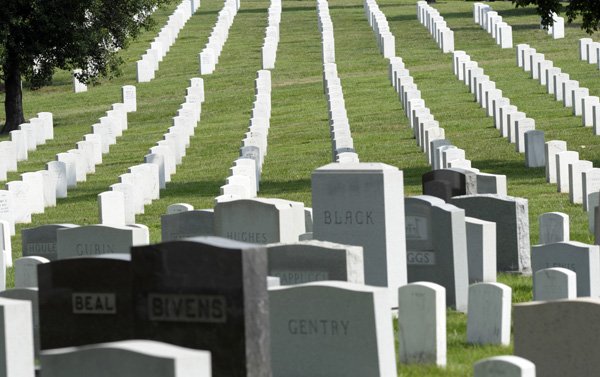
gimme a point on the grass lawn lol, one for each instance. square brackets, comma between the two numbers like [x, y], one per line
[299, 136]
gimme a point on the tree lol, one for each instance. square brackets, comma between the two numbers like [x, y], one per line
[589, 10]
[39, 36]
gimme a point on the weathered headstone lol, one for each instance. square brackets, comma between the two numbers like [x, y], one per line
[422, 324]
[362, 204]
[303, 262]
[488, 319]
[583, 259]
[16, 332]
[436, 246]
[555, 283]
[481, 250]
[554, 227]
[185, 224]
[26, 269]
[41, 241]
[98, 239]
[223, 285]
[559, 337]
[512, 227]
[281, 220]
[504, 366]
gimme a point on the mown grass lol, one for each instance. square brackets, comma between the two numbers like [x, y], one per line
[299, 136]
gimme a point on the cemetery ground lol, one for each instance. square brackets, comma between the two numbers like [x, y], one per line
[299, 140]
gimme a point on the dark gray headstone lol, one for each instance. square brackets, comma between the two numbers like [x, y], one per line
[85, 301]
[535, 155]
[511, 216]
[187, 224]
[436, 247]
[206, 293]
[444, 184]
[41, 241]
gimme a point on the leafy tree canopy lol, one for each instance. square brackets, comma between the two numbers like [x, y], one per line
[589, 10]
[39, 36]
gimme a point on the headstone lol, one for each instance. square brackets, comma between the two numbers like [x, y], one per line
[92, 240]
[554, 227]
[111, 208]
[512, 226]
[563, 159]
[186, 224]
[555, 283]
[320, 337]
[7, 208]
[16, 333]
[128, 191]
[26, 271]
[85, 301]
[436, 246]
[129, 98]
[19, 201]
[58, 171]
[491, 184]
[422, 324]
[552, 148]
[443, 183]
[590, 182]
[362, 204]
[488, 319]
[178, 208]
[534, 149]
[559, 337]
[504, 366]
[225, 276]
[41, 241]
[31, 295]
[583, 259]
[281, 220]
[481, 250]
[34, 184]
[309, 261]
[576, 171]
[70, 167]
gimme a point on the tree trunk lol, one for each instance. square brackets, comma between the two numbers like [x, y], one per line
[13, 99]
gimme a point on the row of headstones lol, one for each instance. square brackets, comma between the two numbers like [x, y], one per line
[511, 123]
[342, 143]
[244, 179]
[434, 22]
[40, 189]
[378, 22]
[24, 140]
[159, 47]
[326, 30]
[589, 51]
[492, 22]
[209, 56]
[558, 83]
[143, 182]
[269, 48]
[83, 300]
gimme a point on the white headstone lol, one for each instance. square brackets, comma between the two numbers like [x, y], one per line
[488, 319]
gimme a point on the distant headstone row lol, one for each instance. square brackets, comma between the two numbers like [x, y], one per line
[269, 49]
[435, 23]
[491, 22]
[40, 189]
[589, 51]
[558, 83]
[142, 183]
[342, 144]
[244, 179]
[149, 63]
[209, 56]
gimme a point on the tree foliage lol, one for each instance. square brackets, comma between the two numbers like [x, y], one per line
[39, 36]
[588, 10]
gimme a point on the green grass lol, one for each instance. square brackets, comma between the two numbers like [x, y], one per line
[299, 136]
